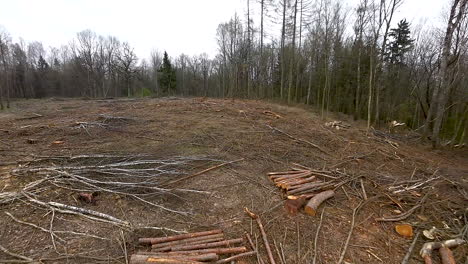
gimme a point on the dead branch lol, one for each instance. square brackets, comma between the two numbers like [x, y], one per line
[6, 251]
[353, 220]
[298, 139]
[63, 208]
[203, 171]
[405, 215]
[236, 257]
[264, 235]
[313, 204]
[272, 114]
[249, 239]
[410, 249]
[316, 237]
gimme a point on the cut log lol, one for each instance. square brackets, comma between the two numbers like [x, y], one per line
[307, 196]
[300, 182]
[293, 206]
[141, 259]
[155, 240]
[446, 255]
[189, 241]
[308, 187]
[314, 203]
[220, 251]
[235, 257]
[292, 177]
[427, 248]
[193, 256]
[207, 245]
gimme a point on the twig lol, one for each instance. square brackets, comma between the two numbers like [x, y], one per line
[298, 139]
[124, 246]
[255, 248]
[51, 230]
[316, 237]
[355, 211]
[364, 194]
[404, 215]
[264, 236]
[6, 251]
[203, 171]
[410, 249]
[33, 225]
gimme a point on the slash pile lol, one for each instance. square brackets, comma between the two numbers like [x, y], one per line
[192, 248]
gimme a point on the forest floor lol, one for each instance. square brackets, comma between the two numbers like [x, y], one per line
[55, 132]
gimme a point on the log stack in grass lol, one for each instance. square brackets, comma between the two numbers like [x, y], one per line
[304, 186]
[192, 248]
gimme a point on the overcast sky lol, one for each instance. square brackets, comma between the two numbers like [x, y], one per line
[178, 26]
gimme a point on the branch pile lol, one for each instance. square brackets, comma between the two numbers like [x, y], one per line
[191, 248]
[137, 177]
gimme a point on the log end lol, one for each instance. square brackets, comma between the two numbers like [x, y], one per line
[310, 211]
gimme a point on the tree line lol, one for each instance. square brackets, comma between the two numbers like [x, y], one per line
[359, 62]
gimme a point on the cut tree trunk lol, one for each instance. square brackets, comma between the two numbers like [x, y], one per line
[141, 259]
[314, 203]
[446, 255]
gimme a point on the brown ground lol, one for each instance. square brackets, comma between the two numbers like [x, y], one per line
[228, 130]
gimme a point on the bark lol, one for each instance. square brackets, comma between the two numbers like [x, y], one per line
[316, 201]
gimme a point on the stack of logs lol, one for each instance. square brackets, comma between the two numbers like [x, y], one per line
[192, 248]
[301, 185]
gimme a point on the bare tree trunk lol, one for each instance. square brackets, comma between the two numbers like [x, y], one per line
[443, 95]
[293, 52]
[260, 69]
[296, 94]
[248, 48]
[283, 34]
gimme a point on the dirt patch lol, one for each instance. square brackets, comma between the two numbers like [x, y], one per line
[223, 130]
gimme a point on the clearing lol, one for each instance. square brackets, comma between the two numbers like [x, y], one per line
[126, 149]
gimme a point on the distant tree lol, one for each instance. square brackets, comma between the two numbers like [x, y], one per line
[400, 43]
[167, 79]
[41, 77]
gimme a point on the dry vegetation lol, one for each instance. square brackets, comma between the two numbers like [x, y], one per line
[71, 146]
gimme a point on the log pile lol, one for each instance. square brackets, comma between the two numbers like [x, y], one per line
[304, 186]
[192, 248]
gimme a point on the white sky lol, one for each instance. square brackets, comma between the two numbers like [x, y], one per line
[178, 26]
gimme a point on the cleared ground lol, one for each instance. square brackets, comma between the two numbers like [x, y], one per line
[45, 133]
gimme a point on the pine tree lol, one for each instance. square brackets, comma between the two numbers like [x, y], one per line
[400, 43]
[167, 80]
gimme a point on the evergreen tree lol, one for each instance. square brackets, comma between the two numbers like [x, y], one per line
[400, 43]
[167, 79]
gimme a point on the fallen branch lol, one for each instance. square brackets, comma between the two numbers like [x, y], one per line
[63, 208]
[203, 171]
[264, 236]
[316, 237]
[410, 249]
[235, 257]
[6, 251]
[353, 220]
[298, 139]
[249, 239]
